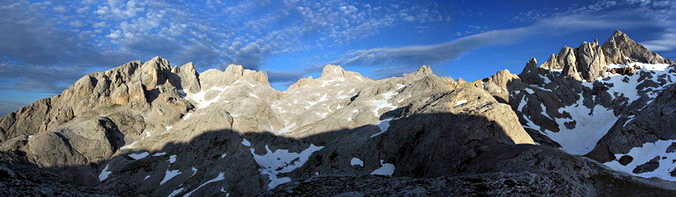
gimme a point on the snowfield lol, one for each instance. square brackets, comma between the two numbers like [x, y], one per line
[644, 154]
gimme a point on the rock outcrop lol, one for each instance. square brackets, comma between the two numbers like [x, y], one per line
[619, 49]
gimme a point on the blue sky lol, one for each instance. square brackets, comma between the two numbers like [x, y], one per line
[47, 45]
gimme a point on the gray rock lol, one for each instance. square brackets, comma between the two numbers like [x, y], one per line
[620, 47]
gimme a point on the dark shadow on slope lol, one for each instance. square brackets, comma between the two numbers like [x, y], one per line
[419, 146]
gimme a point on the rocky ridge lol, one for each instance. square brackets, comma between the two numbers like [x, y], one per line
[155, 129]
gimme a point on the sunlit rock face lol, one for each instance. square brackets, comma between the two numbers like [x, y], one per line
[150, 128]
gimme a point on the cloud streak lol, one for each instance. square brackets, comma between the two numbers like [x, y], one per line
[398, 60]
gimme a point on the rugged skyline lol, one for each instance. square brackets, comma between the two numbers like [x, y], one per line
[47, 45]
[596, 119]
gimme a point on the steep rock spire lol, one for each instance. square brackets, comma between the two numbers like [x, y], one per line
[530, 72]
[620, 47]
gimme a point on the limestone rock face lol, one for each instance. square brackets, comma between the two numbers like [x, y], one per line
[154, 73]
[186, 78]
[592, 62]
[619, 48]
[530, 72]
[567, 60]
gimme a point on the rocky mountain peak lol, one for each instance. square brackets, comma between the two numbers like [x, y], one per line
[186, 78]
[423, 71]
[154, 72]
[188, 67]
[591, 61]
[619, 36]
[216, 78]
[530, 72]
[331, 70]
[301, 82]
[239, 72]
[620, 47]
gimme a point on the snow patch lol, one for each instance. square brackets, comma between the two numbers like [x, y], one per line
[246, 142]
[220, 177]
[386, 169]
[172, 159]
[176, 192]
[201, 102]
[356, 162]
[645, 153]
[169, 174]
[129, 146]
[186, 116]
[137, 156]
[383, 103]
[589, 127]
[460, 102]
[281, 161]
[383, 125]
[104, 173]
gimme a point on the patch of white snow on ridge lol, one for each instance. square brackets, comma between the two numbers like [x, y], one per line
[281, 161]
[544, 110]
[201, 102]
[137, 156]
[287, 128]
[172, 159]
[169, 174]
[246, 142]
[220, 177]
[356, 162]
[104, 173]
[589, 127]
[128, 146]
[383, 125]
[651, 67]
[176, 192]
[186, 116]
[383, 103]
[386, 169]
[159, 154]
[645, 153]
[460, 102]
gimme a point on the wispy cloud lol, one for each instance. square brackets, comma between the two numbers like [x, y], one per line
[666, 42]
[405, 59]
[7, 107]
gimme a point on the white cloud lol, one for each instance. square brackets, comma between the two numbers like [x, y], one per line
[666, 42]
[61, 9]
[114, 35]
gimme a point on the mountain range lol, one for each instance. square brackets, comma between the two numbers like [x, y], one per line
[596, 120]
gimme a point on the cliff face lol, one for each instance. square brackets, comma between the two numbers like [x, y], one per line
[153, 129]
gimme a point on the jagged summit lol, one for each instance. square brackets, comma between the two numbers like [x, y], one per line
[589, 61]
[331, 70]
[423, 71]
